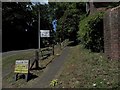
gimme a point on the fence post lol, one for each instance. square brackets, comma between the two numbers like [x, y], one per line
[37, 58]
[53, 49]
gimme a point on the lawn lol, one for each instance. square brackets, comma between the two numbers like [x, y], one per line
[8, 64]
[85, 69]
[82, 69]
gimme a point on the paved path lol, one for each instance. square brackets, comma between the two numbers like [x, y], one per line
[0, 71]
[52, 70]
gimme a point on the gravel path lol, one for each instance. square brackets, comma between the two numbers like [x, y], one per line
[52, 70]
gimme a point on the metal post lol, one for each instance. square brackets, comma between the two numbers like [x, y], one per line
[37, 52]
[39, 29]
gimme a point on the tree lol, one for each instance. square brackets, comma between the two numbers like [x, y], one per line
[69, 20]
[16, 20]
[20, 22]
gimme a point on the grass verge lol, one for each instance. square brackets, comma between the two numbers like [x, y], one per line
[8, 68]
[85, 69]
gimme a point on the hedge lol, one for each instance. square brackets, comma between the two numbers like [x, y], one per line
[91, 32]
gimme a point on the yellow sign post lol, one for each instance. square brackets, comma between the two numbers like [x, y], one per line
[22, 67]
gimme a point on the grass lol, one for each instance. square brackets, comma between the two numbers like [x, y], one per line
[85, 69]
[6, 61]
[9, 62]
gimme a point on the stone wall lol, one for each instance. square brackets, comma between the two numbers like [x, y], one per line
[112, 33]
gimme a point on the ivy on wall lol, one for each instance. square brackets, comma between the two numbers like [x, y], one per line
[91, 32]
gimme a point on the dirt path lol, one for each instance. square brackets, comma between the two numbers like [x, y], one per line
[51, 71]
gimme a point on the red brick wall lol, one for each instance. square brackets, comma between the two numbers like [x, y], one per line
[107, 35]
[112, 33]
[119, 33]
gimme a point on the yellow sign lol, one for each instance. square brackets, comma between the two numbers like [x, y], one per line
[21, 66]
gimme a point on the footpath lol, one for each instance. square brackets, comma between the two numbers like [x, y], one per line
[51, 71]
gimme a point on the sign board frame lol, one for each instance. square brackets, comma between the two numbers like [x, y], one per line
[22, 66]
[44, 33]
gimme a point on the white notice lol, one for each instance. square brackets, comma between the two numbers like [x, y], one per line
[45, 33]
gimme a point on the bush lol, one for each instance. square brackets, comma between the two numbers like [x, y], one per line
[91, 32]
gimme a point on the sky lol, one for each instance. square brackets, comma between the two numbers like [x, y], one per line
[46, 1]
[79, 0]
[42, 1]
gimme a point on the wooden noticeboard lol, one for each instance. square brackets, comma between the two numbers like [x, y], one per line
[22, 66]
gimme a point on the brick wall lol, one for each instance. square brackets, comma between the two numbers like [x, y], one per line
[112, 33]
[0, 26]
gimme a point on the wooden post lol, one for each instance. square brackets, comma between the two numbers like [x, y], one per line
[36, 59]
[60, 44]
[16, 76]
[53, 49]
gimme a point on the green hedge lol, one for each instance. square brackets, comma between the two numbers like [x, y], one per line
[91, 32]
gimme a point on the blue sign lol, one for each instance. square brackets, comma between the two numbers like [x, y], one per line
[54, 23]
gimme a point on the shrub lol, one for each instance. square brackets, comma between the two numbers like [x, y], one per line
[91, 32]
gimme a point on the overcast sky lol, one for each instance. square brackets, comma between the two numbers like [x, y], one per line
[46, 1]
[42, 1]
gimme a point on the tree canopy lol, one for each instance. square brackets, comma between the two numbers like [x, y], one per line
[20, 22]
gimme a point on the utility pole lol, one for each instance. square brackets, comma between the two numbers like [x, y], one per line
[37, 51]
[39, 29]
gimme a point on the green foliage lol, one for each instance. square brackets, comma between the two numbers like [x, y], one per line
[106, 4]
[91, 32]
[68, 23]
[16, 15]
[54, 83]
[19, 17]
